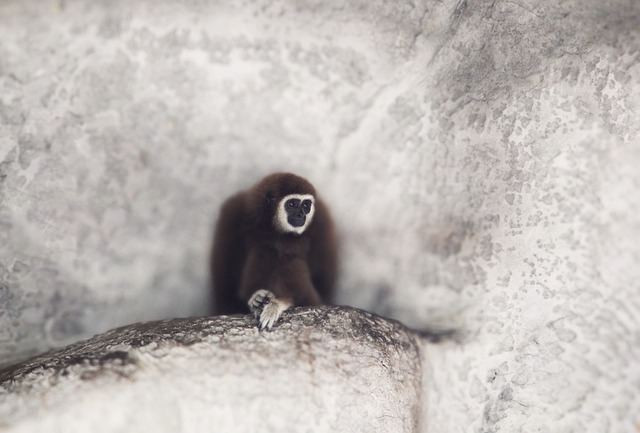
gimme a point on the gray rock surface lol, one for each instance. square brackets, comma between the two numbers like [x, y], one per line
[326, 369]
[481, 159]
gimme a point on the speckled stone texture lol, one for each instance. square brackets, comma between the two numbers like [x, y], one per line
[481, 159]
[327, 369]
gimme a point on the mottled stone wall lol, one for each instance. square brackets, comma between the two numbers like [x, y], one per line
[481, 159]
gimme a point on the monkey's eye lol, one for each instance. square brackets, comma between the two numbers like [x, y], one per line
[306, 206]
[292, 204]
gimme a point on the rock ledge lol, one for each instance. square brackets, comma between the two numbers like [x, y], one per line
[327, 368]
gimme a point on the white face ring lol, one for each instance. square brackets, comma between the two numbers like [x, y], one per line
[280, 219]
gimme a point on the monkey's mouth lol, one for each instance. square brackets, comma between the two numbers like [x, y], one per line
[296, 222]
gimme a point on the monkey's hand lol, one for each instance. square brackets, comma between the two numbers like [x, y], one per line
[267, 308]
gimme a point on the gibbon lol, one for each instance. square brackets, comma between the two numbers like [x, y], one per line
[274, 247]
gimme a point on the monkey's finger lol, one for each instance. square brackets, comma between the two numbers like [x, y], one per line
[268, 324]
[269, 316]
[258, 300]
[263, 323]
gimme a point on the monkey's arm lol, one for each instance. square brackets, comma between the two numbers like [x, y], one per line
[293, 281]
[274, 284]
[256, 285]
[258, 271]
[323, 260]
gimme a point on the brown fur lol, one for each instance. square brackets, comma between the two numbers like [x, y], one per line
[248, 254]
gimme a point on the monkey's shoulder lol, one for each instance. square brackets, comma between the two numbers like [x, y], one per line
[234, 205]
[237, 213]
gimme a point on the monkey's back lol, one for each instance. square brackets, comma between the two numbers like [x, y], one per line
[228, 256]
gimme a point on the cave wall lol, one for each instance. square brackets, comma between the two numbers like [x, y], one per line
[480, 159]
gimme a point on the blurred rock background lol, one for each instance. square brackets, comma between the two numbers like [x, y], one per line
[481, 159]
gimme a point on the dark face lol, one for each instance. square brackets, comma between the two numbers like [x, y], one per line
[297, 211]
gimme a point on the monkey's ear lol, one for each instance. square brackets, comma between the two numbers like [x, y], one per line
[270, 197]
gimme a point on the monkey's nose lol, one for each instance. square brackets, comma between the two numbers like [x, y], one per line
[297, 221]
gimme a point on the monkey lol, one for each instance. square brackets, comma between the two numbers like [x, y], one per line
[274, 247]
